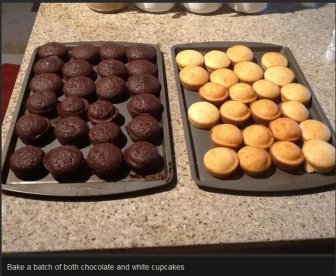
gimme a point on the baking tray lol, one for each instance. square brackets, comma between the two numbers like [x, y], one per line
[90, 185]
[198, 140]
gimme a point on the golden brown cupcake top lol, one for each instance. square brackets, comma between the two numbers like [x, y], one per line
[189, 58]
[221, 161]
[285, 129]
[203, 115]
[254, 160]
[315, 130]
[234, 110]
[242, 92]
[295, 92]
[319, 156]
[273, 59]
[279, 75]
[266, 89]
[287, 153]
[239, 53]
[248, 71]
[294, 110]
[216, 60]
[226, 135]
[225, 77]
[193, 77]
[265, 109]
[214, 93]
[258, 136]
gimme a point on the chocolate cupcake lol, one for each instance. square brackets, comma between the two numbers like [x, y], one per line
[111, 50]
[72, 106]
[71, 130]
[111, 88]
[144, 104]
[27, 162]
[142, 157]
[102, 111]
[143, 83]
[43, 102]
[109, 67]
[144, 128]
[105, 160]
[31, 128]
[77, 67]
[46, 81]
[105, 132]
[141, 66]
[50, 64]
[53, 49]
[86, 51]
[141, 51]
[64, 162]
[79, 86]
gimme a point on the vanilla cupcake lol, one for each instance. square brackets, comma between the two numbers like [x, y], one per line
[273, 59]
[266, 89]
[315, 130]
[226, 135]
[221, 162]
[203, 115]
[286, 155]
[248, 71]
[263, 111]
[213, 93]
[254, 160]
[279, 75]
[242, 92]
[285, 129]
[225, 77]
[258, 136]
[193, 77]
[319, 156]
[189, 58]
[239, 53]
[294, 110]
[216, 60]
[233, 112]
[295, 92]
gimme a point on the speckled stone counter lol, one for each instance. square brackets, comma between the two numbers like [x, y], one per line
[184, 215]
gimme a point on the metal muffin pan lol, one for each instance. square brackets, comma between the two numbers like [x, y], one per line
[87, 185]
[198, 140]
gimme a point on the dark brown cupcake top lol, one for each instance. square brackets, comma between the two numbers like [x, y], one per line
[41, 102]
[77, 67]
[46, 81]
[144, 128]
[52, 49]
[141, 156]
[110, 88]
[30, 127]
[86, 51]
[112, 50]
[105, 159]
[63, 161]
[141, 66]
[72, 106]
[143, 83]
[108, 67]
[140, 51]
[50, 64]
[101, 111]
[144, 104]
[79, 86]
[105, 132]
[70, 130]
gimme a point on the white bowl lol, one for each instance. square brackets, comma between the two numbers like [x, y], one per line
[202, 8]
[248, 7]
[155, 7]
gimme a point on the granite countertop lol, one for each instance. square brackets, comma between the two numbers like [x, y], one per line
[184, 215]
